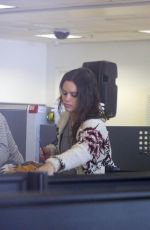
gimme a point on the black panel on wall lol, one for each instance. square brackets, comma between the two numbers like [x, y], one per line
[130, 147]
[106, 74]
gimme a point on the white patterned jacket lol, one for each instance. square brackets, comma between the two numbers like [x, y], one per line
[92, 151]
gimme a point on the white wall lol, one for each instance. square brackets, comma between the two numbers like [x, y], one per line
[133, 61]
[31, 72]
[23, 72]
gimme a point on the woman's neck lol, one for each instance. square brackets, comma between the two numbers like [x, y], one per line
[73, 118]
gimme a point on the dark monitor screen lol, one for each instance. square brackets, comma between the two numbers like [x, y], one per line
[23, 182]
[95, 211]
[95, 184]
[13, 183]
[70, 184]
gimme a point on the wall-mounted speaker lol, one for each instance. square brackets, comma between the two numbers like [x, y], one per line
[106, 74]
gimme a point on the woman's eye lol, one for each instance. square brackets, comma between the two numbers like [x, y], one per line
[75, 94]
[64, 93]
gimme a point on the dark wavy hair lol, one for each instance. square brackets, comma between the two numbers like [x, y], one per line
[88, 95]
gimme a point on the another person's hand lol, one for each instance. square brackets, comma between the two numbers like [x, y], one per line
[47, 167]
[7, 168]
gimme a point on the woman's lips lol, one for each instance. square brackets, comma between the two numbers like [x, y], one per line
[68, 106]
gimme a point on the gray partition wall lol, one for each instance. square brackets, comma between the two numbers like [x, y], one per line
[131, 147]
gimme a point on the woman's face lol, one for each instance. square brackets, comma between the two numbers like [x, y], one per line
[69, 96]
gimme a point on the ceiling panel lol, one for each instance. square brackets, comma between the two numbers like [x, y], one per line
[94, 20]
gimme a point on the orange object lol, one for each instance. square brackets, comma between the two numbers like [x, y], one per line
[29, 166]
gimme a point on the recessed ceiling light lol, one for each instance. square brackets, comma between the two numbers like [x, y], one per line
[145, 31]
[74, 36]
[46, 36]
[6, 7]
[52, 36]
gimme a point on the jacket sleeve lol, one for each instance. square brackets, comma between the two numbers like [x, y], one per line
[92, 145]
[9, 152]
[89, 142]
[76, 156]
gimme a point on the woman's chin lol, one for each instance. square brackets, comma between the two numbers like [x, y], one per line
[68, 110]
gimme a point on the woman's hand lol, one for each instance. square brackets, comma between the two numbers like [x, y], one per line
[47, 151]
[47, 167]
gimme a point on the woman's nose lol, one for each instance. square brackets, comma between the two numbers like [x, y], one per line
[68, 96]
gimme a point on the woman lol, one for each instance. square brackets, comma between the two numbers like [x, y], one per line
[82, 131]
[9, 153]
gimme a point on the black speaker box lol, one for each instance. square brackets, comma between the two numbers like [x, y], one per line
[106, 74]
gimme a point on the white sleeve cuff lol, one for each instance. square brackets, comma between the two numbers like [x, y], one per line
[55, 162]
